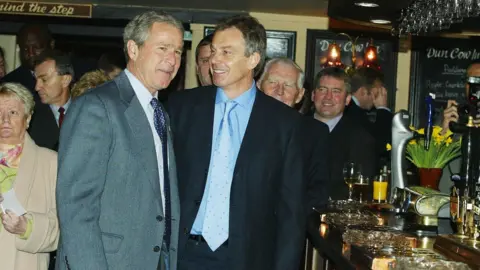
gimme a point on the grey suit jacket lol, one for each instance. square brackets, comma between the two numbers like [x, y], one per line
[108, 191]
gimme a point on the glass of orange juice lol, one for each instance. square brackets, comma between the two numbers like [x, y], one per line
[380, 188]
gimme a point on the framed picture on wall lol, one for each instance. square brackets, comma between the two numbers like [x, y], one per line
[279, 43]
[318, 42]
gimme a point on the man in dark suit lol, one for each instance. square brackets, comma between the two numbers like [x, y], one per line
[117, 195]
[32, 39]
[54, 74]
[242, 185]
[370, 96]
[283, 79]
[349, 142]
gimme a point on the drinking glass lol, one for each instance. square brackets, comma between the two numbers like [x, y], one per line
[351, 172]
[361, 188]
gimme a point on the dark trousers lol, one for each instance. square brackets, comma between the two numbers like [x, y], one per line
[199, 256]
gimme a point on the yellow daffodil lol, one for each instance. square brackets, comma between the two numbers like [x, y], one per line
[443, 148]
[389, 147]
[448, 141]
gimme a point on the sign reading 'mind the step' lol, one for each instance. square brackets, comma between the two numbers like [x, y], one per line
[46, 9]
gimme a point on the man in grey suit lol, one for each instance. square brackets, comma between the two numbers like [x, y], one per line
[117, 195]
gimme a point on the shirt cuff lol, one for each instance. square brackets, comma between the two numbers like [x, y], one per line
[28, 231]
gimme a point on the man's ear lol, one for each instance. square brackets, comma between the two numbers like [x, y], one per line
[253, 60]
[348, 99]
[66, 80]
[132, 50]
[301, 93]
[52, 44]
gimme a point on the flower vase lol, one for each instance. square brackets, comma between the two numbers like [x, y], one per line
[430, 177]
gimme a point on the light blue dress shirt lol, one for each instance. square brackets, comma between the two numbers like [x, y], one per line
[239, 119]
[56, 113]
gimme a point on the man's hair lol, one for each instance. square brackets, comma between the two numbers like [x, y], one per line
[89, 80]
[206, 41]
[62, 61]
[139, 27]
[111, 60]
[42, 30]
[334, 72]
[365, 77]
[2, 53]
[253, 33]
[286, 61]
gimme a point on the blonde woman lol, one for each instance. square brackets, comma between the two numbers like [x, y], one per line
[31, 172]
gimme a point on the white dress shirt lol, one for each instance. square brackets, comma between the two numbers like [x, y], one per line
[145, 97]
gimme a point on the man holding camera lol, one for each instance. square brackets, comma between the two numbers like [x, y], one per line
[451, 113]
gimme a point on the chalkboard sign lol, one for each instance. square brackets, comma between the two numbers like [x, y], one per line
[439, 67]
[317, 49]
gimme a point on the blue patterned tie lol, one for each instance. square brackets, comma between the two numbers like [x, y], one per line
[215, 224]
[161, 127]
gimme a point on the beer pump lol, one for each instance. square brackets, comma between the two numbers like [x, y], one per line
[465, 195]
[424, 203]
[401, 134]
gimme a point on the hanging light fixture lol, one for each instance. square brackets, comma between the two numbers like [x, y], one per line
[371, 56]
[334, 56]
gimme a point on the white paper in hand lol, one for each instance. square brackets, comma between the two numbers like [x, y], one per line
[10, 202]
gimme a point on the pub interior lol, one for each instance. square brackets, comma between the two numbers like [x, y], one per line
[421, 207]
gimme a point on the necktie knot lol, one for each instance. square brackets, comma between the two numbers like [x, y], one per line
[61, 111]
[155, 103]
[229, 106]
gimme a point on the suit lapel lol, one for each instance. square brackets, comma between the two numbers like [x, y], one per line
[143, 146]
[252, 138]
[204, 129]
[26, 171]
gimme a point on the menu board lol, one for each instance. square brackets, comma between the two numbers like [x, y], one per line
[317, 51]
[439, 67]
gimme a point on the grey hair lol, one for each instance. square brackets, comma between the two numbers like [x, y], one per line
[139, 27]
[21, 93]
[286, 61]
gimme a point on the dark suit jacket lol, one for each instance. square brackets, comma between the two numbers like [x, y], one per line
[315, 143]
[22, 75]
[43, 127]
[267, 203]
[349, 142]
[380, 130]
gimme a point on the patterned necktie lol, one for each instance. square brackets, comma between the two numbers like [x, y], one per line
[61, 110]
[161, 127]
[215, 224]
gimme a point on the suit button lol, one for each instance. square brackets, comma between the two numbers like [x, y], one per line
[186, 231]
[156, 249]
[198, 202]
[159, 218]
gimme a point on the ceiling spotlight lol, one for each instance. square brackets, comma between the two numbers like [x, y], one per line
[366, 4]
[380, 21]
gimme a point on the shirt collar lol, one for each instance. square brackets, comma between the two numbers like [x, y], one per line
[65, 106]
[355, 100]
[332, 122]
[142, 93]
[245, 100]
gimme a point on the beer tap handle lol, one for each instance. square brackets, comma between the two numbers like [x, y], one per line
[429, 128]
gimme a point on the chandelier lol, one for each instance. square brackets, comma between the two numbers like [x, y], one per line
[423, 16]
